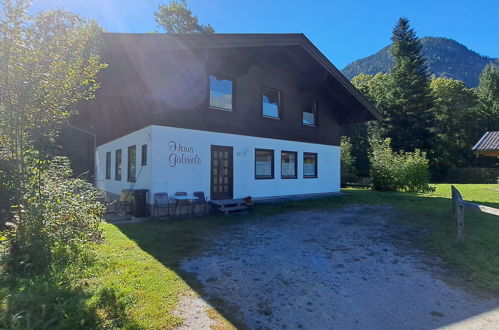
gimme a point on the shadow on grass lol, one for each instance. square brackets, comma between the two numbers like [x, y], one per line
[172, 241]
[53, 301]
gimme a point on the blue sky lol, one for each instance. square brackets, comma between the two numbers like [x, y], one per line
[343, 30]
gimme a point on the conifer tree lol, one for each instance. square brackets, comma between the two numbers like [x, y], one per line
[488, 98]
[409, 118]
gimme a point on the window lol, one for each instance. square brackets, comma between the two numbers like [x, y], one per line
[117, 165]
[131, 168]
[309, 165]
[288, 165]
[143, 161]
[108, 165]
[310, 115]
[264, 164]
[220, 93]
[271, 103]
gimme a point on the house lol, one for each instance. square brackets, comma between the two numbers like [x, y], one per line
[488, 145]
[232, 115]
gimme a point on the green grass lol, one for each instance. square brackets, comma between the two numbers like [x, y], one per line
[136, 282]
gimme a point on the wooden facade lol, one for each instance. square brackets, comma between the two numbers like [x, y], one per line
[158, 79]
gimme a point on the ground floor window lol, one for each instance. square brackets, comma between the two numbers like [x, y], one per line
[288, 165]
[117, 165]
[144, 155]
[309, 165]
[132, 158]
[108, 165]
[264, 164]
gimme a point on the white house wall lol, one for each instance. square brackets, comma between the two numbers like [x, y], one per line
[143, 173]
[195, 174]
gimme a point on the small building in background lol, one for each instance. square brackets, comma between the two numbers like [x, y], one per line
[488, 145]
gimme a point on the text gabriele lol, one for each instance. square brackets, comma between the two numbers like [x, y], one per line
[182, 155]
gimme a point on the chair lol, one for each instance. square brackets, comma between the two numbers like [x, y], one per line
[200, 201]
[161, 200]
[180, 202]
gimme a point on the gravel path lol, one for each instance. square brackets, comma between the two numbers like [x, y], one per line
[345, 269]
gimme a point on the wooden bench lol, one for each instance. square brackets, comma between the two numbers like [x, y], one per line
[458, 206]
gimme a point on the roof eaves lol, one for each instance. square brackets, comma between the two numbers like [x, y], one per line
[477, 145]
[326, 63]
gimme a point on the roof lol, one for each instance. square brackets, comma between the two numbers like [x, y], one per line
[227, 40]
[488, 142]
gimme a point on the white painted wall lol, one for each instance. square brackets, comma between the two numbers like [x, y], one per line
[143, 173]
[161, 176]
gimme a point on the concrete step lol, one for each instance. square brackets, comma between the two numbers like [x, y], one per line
[229, 209]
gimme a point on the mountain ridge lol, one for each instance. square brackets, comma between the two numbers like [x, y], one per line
[445, 58]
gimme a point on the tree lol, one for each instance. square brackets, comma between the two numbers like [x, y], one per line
[376, 89]
[409, 118]
[456, 125]
[48, 63]
[176, 17]
[347, 161]
[488, 98]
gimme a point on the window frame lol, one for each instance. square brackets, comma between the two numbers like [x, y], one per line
[109, 162]
[279, 108]
[129, 178]
[118, 166]
[316, 165]
[225, 77]
[315, 112]
[143, 160]
[272, 176]
[296, 165]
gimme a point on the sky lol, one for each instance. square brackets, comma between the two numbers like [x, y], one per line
[343, 30]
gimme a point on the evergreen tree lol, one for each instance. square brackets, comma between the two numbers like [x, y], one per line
[176, 17]
[488, 99]
[408, 118]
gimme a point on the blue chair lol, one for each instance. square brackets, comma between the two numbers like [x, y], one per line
[161, 201]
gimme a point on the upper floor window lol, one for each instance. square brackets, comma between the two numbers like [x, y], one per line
[117, 165]
[108, 165]
[288, 165]
[271, 103]
[310, 115]
[132, 158]
[144, 155]
[264, 164]
[220, 93]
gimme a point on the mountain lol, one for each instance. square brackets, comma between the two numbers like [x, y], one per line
[445, 58]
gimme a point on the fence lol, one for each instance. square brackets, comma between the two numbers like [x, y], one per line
[458, 206]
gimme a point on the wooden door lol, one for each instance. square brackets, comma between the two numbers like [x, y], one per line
[221, 172]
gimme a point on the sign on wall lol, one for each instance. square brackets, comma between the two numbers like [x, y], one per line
[182, 155]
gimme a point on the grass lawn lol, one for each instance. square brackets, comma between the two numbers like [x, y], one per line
[136, 281]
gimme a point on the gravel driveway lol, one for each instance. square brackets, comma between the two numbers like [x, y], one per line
[344, 269]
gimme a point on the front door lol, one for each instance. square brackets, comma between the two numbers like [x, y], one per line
[221, 172]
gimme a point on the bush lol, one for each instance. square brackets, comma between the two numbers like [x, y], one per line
[57, 216]
[402, 171]
[471, 175]
[347, 161]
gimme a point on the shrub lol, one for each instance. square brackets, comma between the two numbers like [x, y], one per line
[402, 171]
[57, 216]
[347, 161]
[471, 175]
